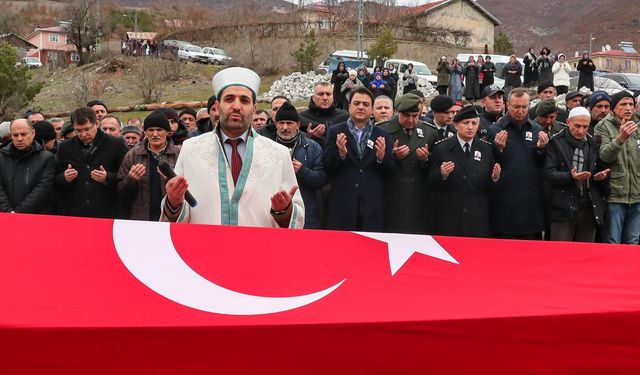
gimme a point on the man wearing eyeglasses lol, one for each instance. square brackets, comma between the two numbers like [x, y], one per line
[87, 167]
[517, 210]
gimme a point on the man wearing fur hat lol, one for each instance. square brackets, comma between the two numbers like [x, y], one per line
[620, 149]
[306, 158]
[237, 176]
[139, 182]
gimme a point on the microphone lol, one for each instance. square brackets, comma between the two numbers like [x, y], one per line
[166, 170]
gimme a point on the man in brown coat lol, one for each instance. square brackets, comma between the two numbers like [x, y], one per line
[139, 182]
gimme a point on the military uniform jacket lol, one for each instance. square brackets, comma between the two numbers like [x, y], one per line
[449, 132]
[406, 200]
[463, 198]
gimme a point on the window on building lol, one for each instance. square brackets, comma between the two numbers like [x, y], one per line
[54, 38]
[608, 63]
[627, 65]
[75, 57]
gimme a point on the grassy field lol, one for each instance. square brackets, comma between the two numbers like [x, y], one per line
[194, 85]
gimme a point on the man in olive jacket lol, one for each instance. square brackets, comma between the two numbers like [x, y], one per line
[621, 149]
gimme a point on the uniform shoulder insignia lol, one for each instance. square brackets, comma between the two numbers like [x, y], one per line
[485, 141]
[557, 134]
[440, 141]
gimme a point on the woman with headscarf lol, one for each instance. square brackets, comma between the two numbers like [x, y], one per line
[479, 63]
[512, 71]
[338, 77]
[410, 79]
[456, 80]
[363, 76]
[561, 69]
[586, 67]
[378, 86]
[530, 68]
[350, 84]
[471, 85]
[487, 69]
[391, 83]
[545, 65]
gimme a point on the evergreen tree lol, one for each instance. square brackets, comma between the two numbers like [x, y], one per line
[16, 91]
[384, 47]
[502, 45]
[307, 53]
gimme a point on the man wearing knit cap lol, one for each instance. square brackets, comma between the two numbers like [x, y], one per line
[220, 166]
[547, 90]
[188, 117]
[306, 158]
[600, 107]
[132, 135]
[27, 172]
[442, 116]
[406, 203]
[462, 173]
[577, 181]
[547, 113]
[140, 185]
[46, 136]
[620, 149]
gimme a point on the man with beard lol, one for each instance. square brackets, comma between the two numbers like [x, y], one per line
[139, 182]
[576, 201]
[517, 201]
[442, 116]
[620, 142]
[493, 109]
[306, 158]
[600, 106]
[220, 166]
[358, 158]
[322, 114]
[412, 139]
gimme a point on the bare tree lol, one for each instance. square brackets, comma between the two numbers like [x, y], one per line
[84, 87]
[85, 27]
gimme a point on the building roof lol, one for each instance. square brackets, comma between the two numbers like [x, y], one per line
[611, 53]
[141, 35]
[52, 29]
[429, 7]
[16, 40]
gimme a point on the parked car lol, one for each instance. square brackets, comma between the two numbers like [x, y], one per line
[192, 53]
[629, 81]
[31, 62]
[216, 55]
[599, 84]
[349, 58]
[421, 69]
[498, 60]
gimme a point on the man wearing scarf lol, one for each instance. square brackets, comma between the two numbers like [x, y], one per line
[577, 181]
[306, 158]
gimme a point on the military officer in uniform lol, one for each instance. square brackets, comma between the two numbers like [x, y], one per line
[547, 115]
[406, 187]
[462, 172]
[442, 116]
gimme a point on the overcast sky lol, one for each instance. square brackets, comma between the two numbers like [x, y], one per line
[398, 2]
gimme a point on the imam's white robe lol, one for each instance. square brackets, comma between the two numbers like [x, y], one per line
[266, 169]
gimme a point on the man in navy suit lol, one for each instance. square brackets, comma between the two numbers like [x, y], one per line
[358, 158]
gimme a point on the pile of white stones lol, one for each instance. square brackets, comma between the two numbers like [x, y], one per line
[296, 86]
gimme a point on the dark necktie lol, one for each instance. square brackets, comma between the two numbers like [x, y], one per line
[236, 160]
[441, 133]
[407, 132]
[466, 150]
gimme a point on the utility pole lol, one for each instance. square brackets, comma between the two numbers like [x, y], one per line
[591, 38]
[360, 28]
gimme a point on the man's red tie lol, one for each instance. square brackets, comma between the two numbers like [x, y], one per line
[236, 161]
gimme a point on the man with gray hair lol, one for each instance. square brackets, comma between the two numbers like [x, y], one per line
[27, 172]
[57, 123]
[322, 114]
[382, 109]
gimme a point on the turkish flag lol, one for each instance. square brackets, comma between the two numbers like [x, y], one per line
[103, 296]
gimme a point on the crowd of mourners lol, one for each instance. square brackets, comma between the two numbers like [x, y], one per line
[390, 161]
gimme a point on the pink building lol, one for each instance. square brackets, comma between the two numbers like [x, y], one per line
[52, 45]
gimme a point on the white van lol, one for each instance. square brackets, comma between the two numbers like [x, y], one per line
[349, 58]
[421, 69]
[498, 60]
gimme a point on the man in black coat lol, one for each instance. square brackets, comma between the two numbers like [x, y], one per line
[442, 121]
[463, 173]
[493, 109]
[322, 114]
[406, 200]
[87, 168]
[269, 130]
[517, 202]
[358, 158]
[577, 200]
[26, 172]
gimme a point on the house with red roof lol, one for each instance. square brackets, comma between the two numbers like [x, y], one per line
[616, 61]
[52, 45]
